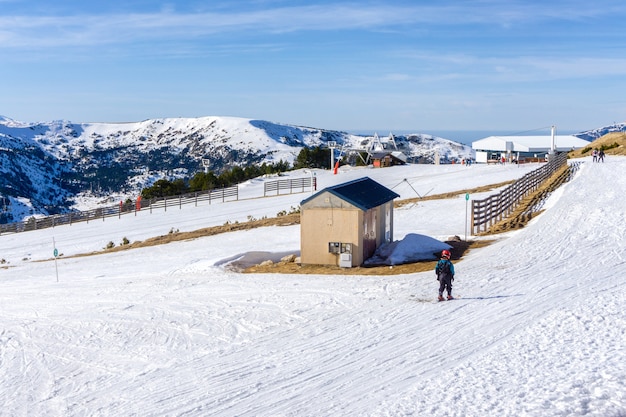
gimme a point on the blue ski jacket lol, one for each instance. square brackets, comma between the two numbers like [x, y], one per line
[444, 268]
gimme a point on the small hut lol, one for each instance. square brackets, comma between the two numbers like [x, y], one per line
[383, 159]
[344, 224]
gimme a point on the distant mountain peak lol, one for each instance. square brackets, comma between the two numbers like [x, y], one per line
[44, 165]
[594, 134]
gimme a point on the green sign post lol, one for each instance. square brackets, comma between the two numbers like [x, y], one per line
[466, 202]
[56, 254]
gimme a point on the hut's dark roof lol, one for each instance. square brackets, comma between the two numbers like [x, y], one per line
[364, 193]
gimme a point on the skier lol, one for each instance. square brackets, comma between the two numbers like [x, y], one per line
[445, 274]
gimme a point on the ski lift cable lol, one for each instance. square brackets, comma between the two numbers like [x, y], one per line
[529, 131]
[418, 194]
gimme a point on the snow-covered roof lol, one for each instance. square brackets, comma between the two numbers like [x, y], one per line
[399, 156]
[529, 143]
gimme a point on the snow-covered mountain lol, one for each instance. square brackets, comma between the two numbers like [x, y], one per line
[45, 165]
[594, 134]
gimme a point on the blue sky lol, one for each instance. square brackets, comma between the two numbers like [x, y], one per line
[379, 65]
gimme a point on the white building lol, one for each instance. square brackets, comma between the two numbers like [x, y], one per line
[519, 147]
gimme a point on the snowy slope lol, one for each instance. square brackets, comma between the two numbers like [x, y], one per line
[539, 329]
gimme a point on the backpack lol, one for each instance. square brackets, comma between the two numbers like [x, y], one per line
[443, 267]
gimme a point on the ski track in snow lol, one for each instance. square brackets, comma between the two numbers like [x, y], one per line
[538, 330]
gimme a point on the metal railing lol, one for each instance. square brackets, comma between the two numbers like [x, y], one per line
[220, 195]
[215, 195]
[287, 186]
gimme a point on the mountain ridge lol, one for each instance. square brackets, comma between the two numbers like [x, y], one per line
[594, 134]
[45, 166]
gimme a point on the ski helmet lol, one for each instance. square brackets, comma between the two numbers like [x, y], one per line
[445, 254]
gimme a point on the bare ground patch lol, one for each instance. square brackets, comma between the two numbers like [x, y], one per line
[608, 140]
[459, 249]
[287, 220]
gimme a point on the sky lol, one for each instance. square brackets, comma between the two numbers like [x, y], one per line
[394, 65]
[537, 329]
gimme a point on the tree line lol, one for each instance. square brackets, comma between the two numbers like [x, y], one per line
[317, 157]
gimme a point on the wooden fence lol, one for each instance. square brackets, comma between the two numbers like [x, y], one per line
[216, 195]
[494, 208]
[287, 186]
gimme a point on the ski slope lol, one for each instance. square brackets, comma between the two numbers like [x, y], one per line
[538, 330]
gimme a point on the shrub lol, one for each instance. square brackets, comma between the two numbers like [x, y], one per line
[292, 210]
[606, 147]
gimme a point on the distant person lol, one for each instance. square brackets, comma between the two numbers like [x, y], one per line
[601, 155]
[445, 275]
[595, 155]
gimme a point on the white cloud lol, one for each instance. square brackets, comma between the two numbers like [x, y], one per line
[92, 29]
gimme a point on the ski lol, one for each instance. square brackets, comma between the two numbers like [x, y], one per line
[414, 297]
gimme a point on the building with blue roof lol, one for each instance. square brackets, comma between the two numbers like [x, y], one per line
[344, 224]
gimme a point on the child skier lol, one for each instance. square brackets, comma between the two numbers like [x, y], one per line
[445, 274]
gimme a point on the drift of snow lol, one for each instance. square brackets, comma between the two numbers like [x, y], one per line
[412, 248]
[538, 330]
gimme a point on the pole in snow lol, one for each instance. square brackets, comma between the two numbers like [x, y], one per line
[56, 254]
[332, 145]
[466, 202]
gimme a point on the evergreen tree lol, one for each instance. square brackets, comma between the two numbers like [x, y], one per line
[316, 157]
[203, 181]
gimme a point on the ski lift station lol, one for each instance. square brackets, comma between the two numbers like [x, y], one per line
[520, 147]
[378, 153]
[344, 224]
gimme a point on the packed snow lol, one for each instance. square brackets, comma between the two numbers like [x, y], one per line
[538, 328]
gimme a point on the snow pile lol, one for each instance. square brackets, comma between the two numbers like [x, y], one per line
[412, 248]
